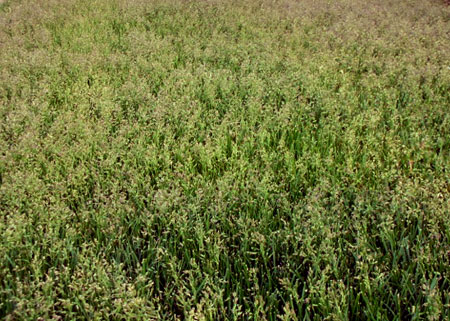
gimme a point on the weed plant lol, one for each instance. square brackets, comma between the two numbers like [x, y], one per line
[224, 160]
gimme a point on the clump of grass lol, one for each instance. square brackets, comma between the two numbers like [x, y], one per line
[236, 160]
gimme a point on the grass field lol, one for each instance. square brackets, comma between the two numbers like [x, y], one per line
[224, 160]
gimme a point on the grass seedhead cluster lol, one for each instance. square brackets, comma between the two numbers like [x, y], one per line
[224, 160]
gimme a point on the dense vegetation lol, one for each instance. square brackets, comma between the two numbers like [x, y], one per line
[225, 160]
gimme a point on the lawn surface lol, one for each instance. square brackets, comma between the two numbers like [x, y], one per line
[224, 160]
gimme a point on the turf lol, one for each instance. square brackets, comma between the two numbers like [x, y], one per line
[224, 160]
